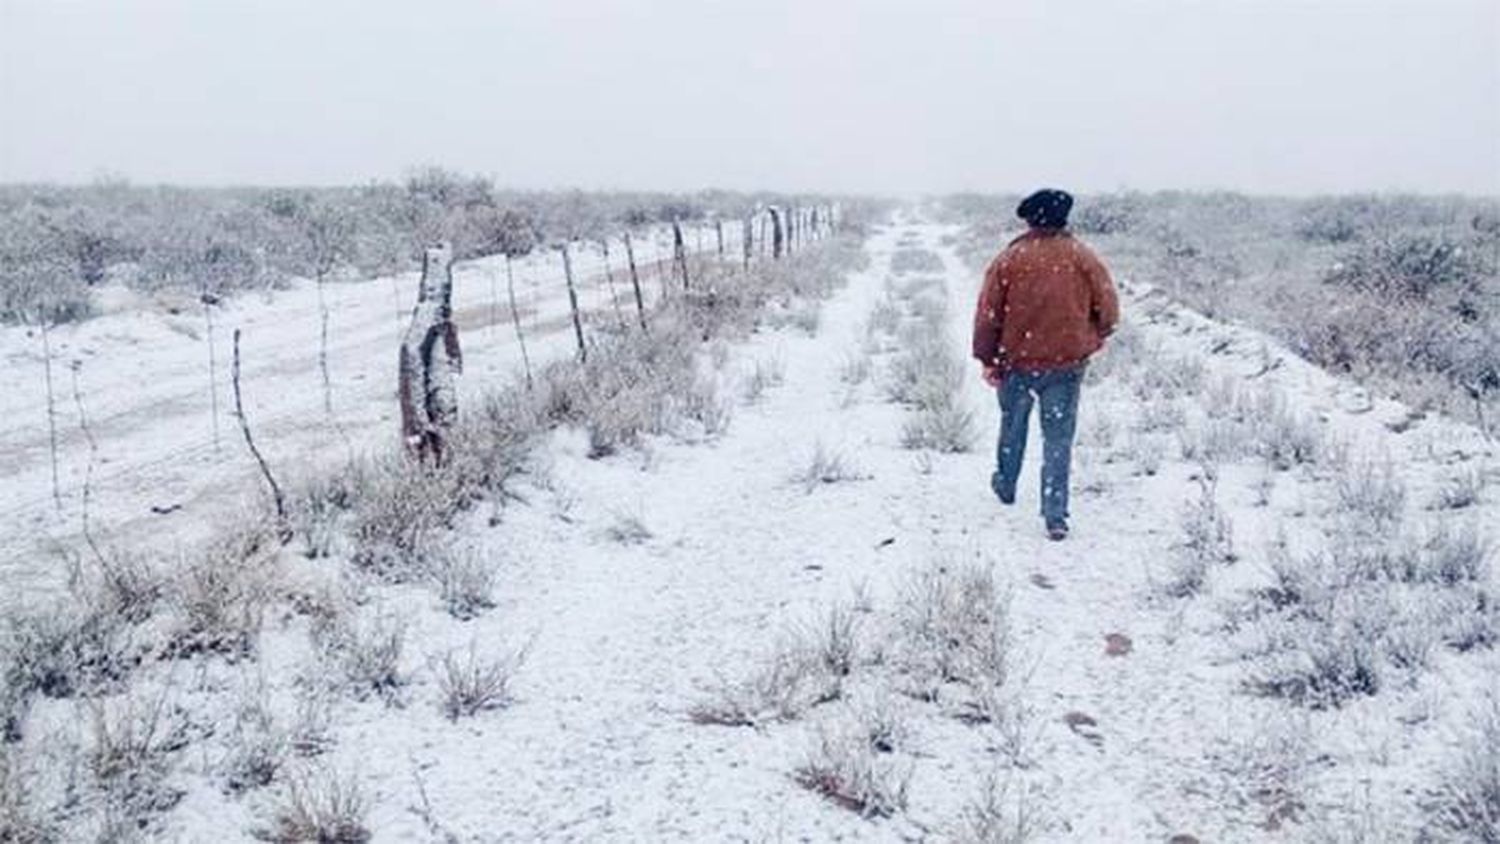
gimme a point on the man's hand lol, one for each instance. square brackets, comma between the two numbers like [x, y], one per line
[992, 375]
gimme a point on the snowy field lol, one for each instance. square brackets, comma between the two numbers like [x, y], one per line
[1274, 619]
[167, 453]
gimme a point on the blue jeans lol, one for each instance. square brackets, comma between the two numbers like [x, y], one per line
[1057, 390]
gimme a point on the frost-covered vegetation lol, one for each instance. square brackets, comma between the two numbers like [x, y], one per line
[58, 243]
[233, 660]
[1400, 291]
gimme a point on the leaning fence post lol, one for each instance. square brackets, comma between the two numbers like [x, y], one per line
[515, 317]
[429, 359]
[635, 281]
[583, 352]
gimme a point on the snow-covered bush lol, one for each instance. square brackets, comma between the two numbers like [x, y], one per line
[400, 509]
[1461, 490]
[219, 595]
[257, 746]
[131, 756]
[465, 580]
[40, 282]
[953, 627]
[1001, 812]
[1267, 766]
[78, 646]
[788, 681]
[837, 641]
[1408, 266]
[320, 805]
[825, 466]
[364, 655]
[844, 766]
[471, 685]
[1105, 214]
[21, 820]
[1468, 796]
[927, 374]
[1339, 619]
[1336, 219]
[1373, 493]
[132, 584]
[1207, 540]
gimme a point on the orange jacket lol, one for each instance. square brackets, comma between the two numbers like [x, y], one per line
[1047, 302]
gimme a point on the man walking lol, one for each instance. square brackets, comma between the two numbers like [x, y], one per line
[1046, 305]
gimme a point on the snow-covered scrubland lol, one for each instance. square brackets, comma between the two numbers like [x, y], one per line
[1401, 293]
[742, 577]
[59, 245]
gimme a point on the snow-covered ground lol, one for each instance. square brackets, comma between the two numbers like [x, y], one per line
[165, 466]
[724, 553]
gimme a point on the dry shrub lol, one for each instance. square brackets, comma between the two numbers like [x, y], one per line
[788, 682]
[1002, 812]
[953, 627]
[21, 820]
[219, 595]
[364, 655]
[257, 744]
[131, 754]
[825, 466]
[402, 507]
[322, 806]
[78, 646]
[472, 685]
[1467, 802]
[845, 767]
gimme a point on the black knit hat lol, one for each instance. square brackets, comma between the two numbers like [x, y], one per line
[1046, 209]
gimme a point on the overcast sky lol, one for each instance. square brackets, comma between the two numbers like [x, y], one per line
[1288, 96]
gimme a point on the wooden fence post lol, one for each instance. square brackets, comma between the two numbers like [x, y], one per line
[635, 281]
[679, 253]
[583, 352]
[515, 317]
[777, 235]
[429, 359]
[747, 239]
[609, 278]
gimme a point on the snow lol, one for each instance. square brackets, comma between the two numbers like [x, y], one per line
[144, 376]
[625, 639]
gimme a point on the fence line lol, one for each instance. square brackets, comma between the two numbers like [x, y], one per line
[538, 286]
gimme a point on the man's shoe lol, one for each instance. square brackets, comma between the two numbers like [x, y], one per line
[1007, 495]
[1057, 529]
